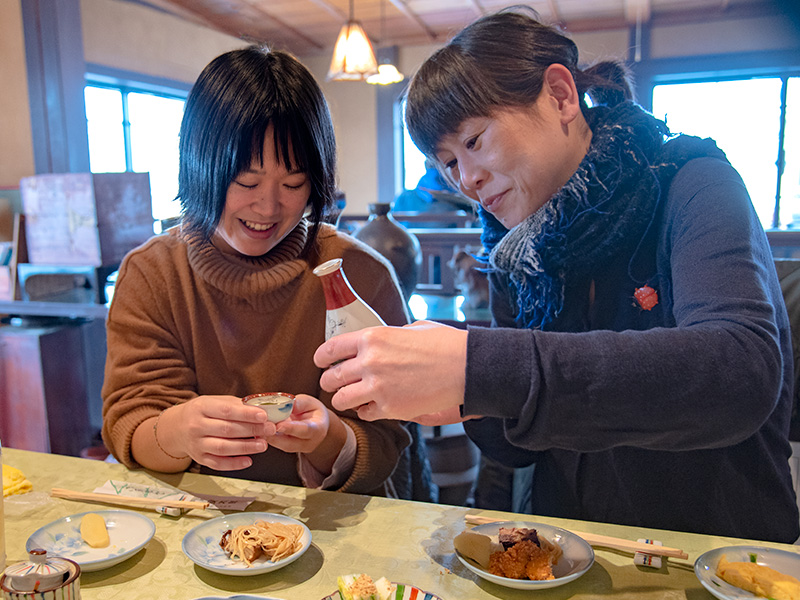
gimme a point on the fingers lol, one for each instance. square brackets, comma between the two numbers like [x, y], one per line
[370, 411]
[220, 432]
[229, 408]
[226, 454]
[306, 428]
[340, 375]
[352, 397]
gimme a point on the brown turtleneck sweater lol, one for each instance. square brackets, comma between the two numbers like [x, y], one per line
[187, 320]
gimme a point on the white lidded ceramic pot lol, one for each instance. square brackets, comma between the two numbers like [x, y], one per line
[42, 578]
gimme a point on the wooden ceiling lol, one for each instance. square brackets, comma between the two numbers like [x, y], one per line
[310, 27]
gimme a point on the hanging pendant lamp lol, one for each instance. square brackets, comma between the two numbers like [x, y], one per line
[353, 56]
[387, 72]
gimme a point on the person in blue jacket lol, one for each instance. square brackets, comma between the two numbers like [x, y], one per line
[640, 354]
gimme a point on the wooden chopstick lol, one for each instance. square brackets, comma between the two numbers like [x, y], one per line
[594, 539]
[126, 500]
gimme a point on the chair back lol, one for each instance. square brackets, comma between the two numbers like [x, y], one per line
[788, 270]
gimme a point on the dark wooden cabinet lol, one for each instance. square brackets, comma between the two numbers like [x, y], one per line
[50, 384]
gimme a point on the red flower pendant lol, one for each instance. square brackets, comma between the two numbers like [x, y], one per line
[646, 296]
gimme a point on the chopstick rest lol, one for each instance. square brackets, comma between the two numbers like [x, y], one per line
[647, 560]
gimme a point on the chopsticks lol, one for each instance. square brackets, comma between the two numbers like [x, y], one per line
[126, 500]
[594, 539]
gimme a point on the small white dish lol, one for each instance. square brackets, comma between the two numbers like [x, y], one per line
[277, 405]
[128, 532]
[705, 567]
[576, 558]
[202, 547]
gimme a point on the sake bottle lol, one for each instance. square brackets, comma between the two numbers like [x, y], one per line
[345, 310]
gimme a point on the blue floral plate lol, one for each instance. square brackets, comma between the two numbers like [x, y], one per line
[202, 547]
[705, 567]
[128, 531]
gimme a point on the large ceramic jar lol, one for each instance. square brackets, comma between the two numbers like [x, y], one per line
[383, 233]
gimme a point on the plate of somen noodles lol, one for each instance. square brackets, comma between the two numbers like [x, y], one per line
[248, 543]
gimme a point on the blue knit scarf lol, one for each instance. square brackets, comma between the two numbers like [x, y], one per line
[603, 211]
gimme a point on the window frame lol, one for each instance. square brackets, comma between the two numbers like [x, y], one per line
[127, 82]
[723, 67]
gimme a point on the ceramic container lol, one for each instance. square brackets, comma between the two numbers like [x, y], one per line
[384, 234]
[277, 405]
[42, 578]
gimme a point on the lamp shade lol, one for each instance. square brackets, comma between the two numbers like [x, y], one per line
[387, 73]
[353, 56]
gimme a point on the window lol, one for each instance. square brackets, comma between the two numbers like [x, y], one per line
[413, 161]
[745, 117]
[136, 130]
[754, 120]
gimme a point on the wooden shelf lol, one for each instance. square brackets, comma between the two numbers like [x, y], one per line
[53, 309]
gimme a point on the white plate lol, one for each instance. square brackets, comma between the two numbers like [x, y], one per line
[128, 532]
[238, 597]
[705, 567]
[201, 544]
[577, 556]
[408, 592]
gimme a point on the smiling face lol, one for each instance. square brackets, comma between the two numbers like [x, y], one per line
[263, 204]
[514, 160]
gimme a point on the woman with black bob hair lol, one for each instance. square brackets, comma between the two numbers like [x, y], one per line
[225, 304]
[234, 101]
[640, 354]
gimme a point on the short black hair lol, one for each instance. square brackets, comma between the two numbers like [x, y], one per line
[498, 61]
[226, 116]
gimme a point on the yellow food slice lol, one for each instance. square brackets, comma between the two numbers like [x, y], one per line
[14, 482]
[94, 531]
[758, 579]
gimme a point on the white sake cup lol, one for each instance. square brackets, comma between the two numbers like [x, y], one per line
[277, 405]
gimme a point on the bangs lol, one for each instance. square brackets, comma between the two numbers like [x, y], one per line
[442, 95]
[290, 145]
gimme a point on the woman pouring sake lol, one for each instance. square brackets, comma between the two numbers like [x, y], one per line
[639, 353]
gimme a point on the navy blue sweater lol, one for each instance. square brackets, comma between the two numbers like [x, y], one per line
[675, 418]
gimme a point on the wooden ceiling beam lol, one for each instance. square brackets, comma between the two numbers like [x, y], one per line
[403, 7]
[257, 7]
[555, 13]
[479, 10]
[637, 11]
[332, 9]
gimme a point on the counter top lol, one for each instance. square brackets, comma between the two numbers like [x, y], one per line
[405, 541]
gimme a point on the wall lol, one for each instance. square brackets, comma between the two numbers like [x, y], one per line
[135, 38]
[16, 143]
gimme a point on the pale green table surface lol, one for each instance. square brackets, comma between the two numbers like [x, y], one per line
[409, 542]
